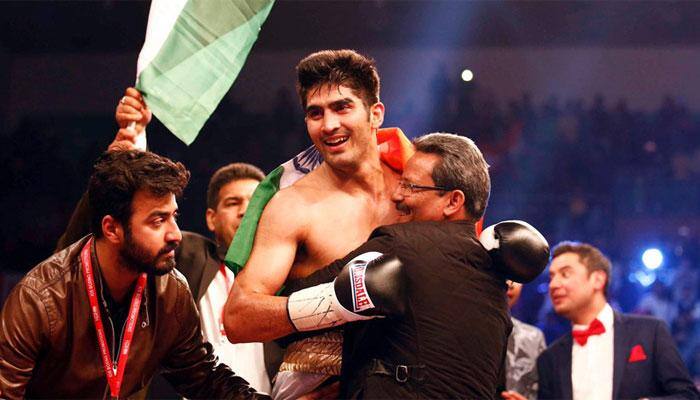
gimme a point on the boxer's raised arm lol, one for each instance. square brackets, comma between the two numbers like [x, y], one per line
[253, 313]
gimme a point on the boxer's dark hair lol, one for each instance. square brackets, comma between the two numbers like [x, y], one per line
[462, 166]
[118, 175]
[339, 67]
[588, 255]
[229, 173]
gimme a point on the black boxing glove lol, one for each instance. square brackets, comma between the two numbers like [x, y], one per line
[371, 285]
[518, 251]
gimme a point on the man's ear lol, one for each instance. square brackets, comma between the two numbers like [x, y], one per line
[112, 229]
[211, 218]
[455, 204]
[376, 115]
[599, 279]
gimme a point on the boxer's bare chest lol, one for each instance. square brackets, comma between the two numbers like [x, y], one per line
[337, 225]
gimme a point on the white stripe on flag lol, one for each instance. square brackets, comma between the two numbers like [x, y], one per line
[161, 19]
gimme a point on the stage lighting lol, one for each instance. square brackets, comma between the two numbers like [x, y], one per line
[645, 278]
[652, 258]
[467, 75]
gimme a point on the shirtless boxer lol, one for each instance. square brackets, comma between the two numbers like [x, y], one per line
[321, 217]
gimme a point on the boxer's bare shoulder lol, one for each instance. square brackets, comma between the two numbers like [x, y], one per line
[280, 229]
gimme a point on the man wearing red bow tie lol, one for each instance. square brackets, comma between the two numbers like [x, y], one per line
[607, 354]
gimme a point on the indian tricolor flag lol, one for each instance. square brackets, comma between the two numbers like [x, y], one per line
[193, 52]
[394, 150]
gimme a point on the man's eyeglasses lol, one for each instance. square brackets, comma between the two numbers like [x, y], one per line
[408, 188]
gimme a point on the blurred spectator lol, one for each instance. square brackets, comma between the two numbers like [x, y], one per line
[525, 344]
[658, 303]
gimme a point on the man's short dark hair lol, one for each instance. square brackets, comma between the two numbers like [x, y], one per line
[462, 166]
[588, 255]
[229, 173]
[118, 175]
[339, 67]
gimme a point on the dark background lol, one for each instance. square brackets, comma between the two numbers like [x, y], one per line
[586, 111]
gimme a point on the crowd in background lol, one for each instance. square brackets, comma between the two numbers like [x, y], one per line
[590, 171]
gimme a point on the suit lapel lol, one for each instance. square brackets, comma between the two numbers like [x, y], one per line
[565, 370]
[621, 343]
[214, 258]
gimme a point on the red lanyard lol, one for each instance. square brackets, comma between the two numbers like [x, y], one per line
[115, 376]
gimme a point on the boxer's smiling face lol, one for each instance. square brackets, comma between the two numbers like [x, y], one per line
[416, 197]
[341, 126]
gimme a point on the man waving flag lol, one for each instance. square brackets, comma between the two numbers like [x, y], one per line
[194, 50]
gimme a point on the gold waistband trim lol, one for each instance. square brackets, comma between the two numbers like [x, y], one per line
[321, 354]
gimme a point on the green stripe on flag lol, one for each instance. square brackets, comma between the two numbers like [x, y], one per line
[203, 22]
[239, 250]
[199, 61]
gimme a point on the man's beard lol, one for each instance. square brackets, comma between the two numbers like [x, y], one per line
[137, 259]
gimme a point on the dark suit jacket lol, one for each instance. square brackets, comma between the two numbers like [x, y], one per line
[661, 375]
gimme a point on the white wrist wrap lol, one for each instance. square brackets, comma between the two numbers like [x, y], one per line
[317, 308]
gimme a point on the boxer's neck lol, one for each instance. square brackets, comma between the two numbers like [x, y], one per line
[367, 177]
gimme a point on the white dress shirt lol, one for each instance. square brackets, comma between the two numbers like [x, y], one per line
[592, 364]
[245, 359]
